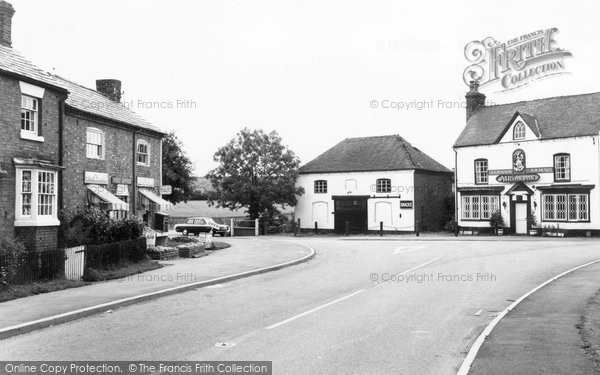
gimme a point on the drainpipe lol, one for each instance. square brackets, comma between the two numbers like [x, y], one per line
[61, 136]
[456, 188]
[134, 173]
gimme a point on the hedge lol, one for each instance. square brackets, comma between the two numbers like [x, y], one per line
[109, 255]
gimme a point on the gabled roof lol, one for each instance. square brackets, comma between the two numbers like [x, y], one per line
[383, 153]
[558, 117]
[530, 121]
[13, 62]
[91, 101]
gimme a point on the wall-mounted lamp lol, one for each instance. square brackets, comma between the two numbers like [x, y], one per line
[534, 204]
[504, 205]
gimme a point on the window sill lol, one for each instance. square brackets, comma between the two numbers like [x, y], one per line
[94, 158]
[31, 137]
[143, 165]
[39, 222]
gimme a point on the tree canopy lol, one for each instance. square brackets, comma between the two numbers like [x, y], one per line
[255, 171]
[177, 169]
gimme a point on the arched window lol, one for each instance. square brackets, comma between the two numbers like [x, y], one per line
[519, 131]
[94, 143]
[143, 153]
[383, 185]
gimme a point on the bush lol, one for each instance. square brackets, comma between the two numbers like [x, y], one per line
[451, 226]
[93, 226]
[114, 254]
[12, 260]
[496, 220]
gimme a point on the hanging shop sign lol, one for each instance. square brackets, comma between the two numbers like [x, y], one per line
[96, 178]
[408, 205]
[166, 190]
[145, 182]
[531, 177]
[121, 180]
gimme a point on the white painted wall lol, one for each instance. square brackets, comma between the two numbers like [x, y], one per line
[313, 207]
[585, 169]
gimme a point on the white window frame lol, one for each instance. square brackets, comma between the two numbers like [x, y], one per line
[102, 144]
[519, 131]
[566, 207]
[481, 172]
[320, 187]
[383, 185]
[37, 190]
[565, 168]
[479, 207]
[36, 93]
[137, 153]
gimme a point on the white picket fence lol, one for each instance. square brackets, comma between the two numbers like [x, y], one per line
[74, 262]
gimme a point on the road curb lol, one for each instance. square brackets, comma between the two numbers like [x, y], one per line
[467, 363]
[92, 310]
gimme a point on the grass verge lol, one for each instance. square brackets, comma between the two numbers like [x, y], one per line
[92, 274]
[589, 328]
[19, 291]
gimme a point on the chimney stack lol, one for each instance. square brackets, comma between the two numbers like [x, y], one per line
[111, 88]
[475, 99]
[6, 14]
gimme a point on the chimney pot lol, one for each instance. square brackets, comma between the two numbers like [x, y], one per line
[111, 88]
[6, 13]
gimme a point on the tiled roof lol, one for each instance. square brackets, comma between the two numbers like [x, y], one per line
[12, 62]
[80, 97]
[383, 153]
[91, 101]
[559, 117]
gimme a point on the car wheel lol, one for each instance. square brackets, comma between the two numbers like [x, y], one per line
[184, 232]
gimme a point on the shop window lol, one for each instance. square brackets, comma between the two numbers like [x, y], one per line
[479, 207]
[519, 131]
[95, 143]
[320, 187]
[566, 207]
[562, 167]
[143, 153]
[481, 171]
[383, 185]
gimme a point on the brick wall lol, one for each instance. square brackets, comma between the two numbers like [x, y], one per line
[117, 162]
[11, 145]
[38, 238]
[433, 191]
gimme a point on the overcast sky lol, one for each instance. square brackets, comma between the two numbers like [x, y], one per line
[308, 69]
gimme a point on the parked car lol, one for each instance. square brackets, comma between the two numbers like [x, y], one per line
[221, 229]
[196, 225]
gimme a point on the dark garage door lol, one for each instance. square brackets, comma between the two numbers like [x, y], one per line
[353, 210]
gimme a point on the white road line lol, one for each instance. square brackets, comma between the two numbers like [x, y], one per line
[468, 362]
[404, 249]
[314, 310]
[412, 269]
[478, 312]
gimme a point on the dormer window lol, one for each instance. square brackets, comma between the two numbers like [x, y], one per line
[519, 131]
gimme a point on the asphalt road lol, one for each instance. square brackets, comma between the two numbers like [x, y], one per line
[335, 314]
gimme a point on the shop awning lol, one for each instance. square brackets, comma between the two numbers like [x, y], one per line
[152, 201]
[100, 196]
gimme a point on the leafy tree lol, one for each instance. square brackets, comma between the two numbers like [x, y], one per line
[255, 171]
[176, 169]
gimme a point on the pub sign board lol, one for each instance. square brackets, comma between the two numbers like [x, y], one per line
[408, 205]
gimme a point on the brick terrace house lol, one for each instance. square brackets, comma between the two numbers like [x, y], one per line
[63, 146]
[112, 157]
[535, 158]
[366, 181]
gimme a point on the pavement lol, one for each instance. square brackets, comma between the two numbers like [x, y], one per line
[540, 335]
[359, 307]
[246, 257]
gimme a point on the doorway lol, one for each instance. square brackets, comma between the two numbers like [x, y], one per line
[521, 218]
[351, 209]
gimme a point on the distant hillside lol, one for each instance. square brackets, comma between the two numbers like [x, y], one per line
[202, 184]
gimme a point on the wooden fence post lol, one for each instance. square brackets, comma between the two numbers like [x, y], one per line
[232, 228]
[256, 227]
[381, 229]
